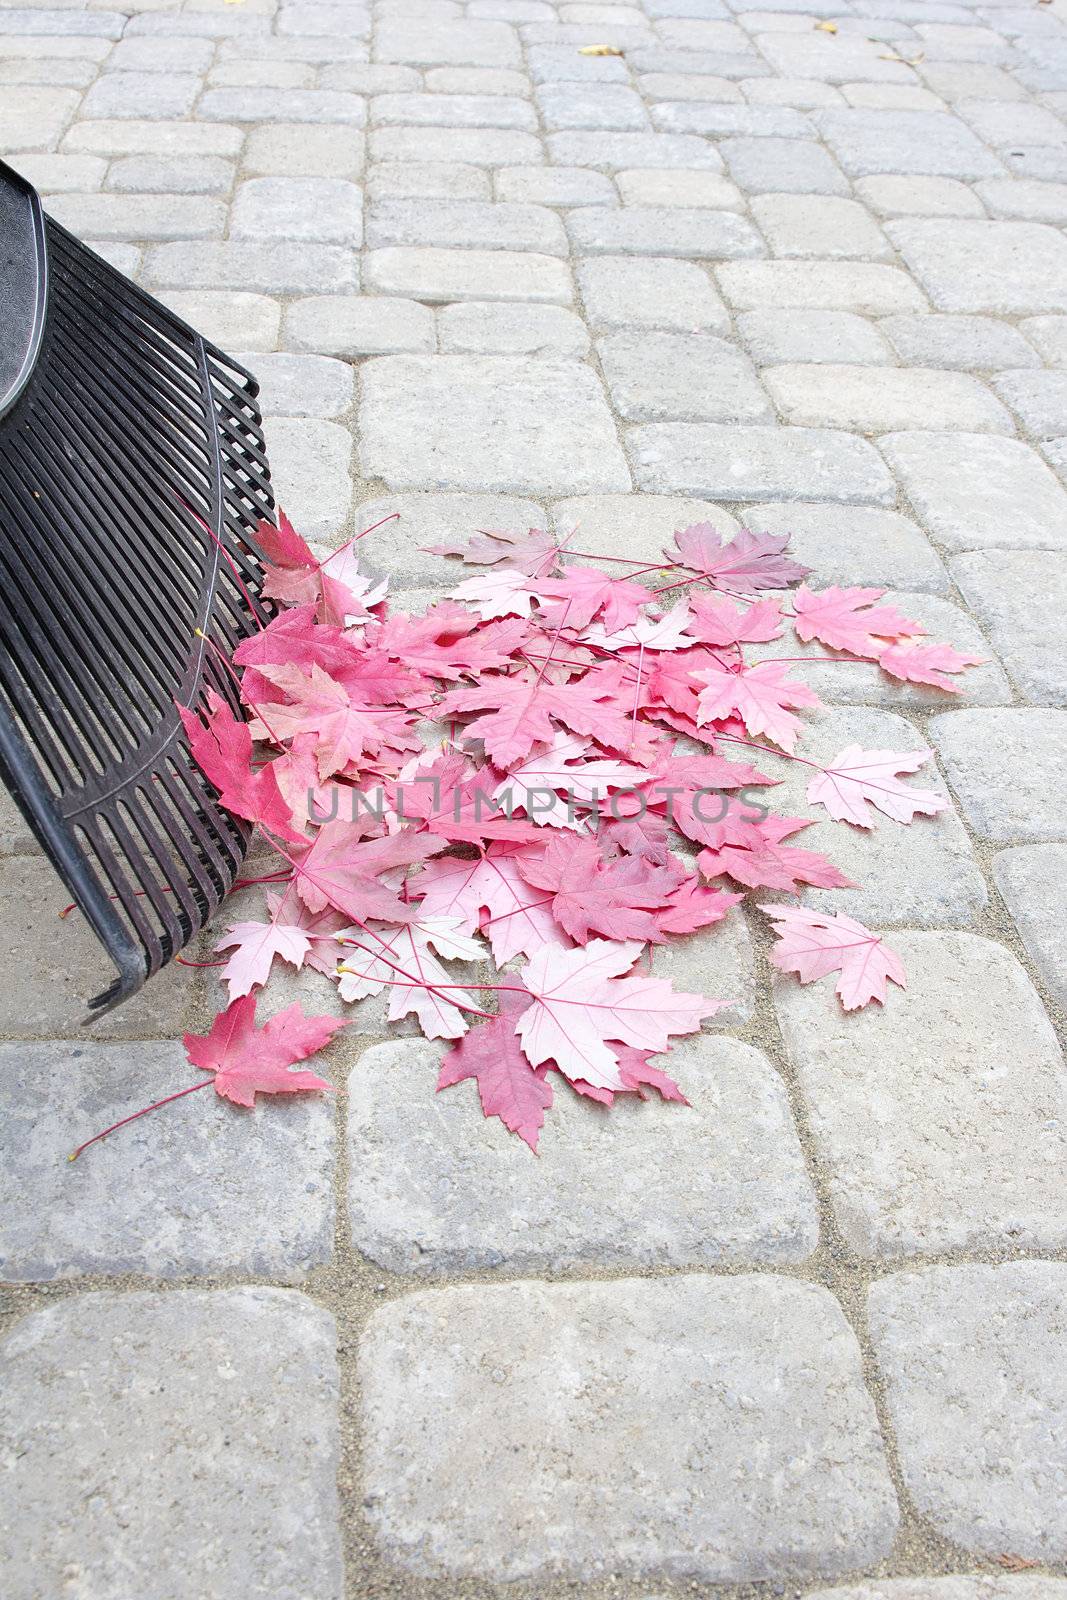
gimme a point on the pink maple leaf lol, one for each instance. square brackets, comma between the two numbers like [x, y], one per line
[747, 561]
[582, 1002]
[591, 895]
[846, 619]
[517, 713]
[222, 748]
[716, 621]
[341, 870]
[857, 779]
[584, 592]
[508, 1086]
[527, 552]
[257, 944]
[759, 695]
[492, 895]
[812, 945]
[247, 1060]
[927, 663]
[344, 731]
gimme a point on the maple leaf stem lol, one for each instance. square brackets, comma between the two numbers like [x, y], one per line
[786, 755]
[406, 981]
[516, 911]
[193, 1087]
[392, 517]
[184, 962]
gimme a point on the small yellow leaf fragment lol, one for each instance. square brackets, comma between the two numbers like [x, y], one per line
[599, 50]
[906, 61]
[826, 27]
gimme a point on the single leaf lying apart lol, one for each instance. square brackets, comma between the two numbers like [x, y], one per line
[811, 945]
[500, 779]
[247, 1060]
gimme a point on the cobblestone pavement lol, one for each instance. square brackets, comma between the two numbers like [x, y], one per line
[807, 264]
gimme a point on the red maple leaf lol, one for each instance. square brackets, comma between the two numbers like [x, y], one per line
[247, 1060]
[747, 561]
[847, 619]
[508, 1086]
[590, 895]
[222, 749]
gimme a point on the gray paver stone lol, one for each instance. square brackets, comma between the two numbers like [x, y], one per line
[1021, 601]
[1032, 879]
[940, 1118]
[399, 548]
[517, 330]
[1008, 770]
[977, 1390]
[643, 292]
[873, 398]
[316, 210]
[812, 336]
[466, 224]
[1039, 399]
[854, 545]
[927, 143]
[216, 1399]
[303, 386]
[359, 325]
[658, 377]
[441, 275]
[483, 1400]
[758, 463]
[276, 268]
[310, 465]
[976, 492]
[662, 231]
[967, 344]
[996, 267]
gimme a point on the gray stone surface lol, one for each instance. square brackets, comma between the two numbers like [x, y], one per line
[465, 224]
[873, 398]
[467, 1380]
[854, 544]
[229, 317]
[302, 149]
[434, 180]
[940, 1118]
[1032, 879]
[977, 1586]
[441, 275]
[1049, 335]
[644, 292]
[315, 210]
[278, 268]
[974, 492]
[467, 422]
[812, 336]
[451, 1190]
[1039, 400]
[517, 330]
[217, 1400]
[311, 464]
[868, 288]
[186, 1191]
[555, 186]
[818, 226]
[662, 231]
[758, 463]
[997, 267]
[141, 216]
[359, 325]
[616, 152]
[967, 344]
[1008, 769]
[630, 527]
[898, 196]
[659, 377]
[303, 386]
[926, 143]
[1021, 601]
[978, 1395]
[672, 186]
[782, 166]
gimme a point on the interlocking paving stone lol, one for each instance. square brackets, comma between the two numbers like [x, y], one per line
[451, 1190]
[823, 227]
[275, 268]
[186, 1192]
[1049, 334]
[854, 544]
[436, 180]
[1008, 770]
[359, 325]
[668, 186]
[166, 174]
[485, 327]
[1025, 201]
[967, 344]
[976, 492]
[465, 224]
[479, 422]
[33, 118]
[940, 1118]
[142, 94]
[758, 463]
[875, 398]
[153, 139]
[662, 231]
[923, 874]
[51, 174]
[782, 166]
[399, 547]
[898, 196]
[296, 105]
[478, 147]
[753, 123]
[1032, 880]
[1023, 608]
[313, 210]
[928, 143]
[834, 59]
[1039, 400]
[869, 288]
[593, 105]
[657, 377]
[229, 317]
[977, 1390]
[645, 292]
[774, 336]
[420, 41]
[998, 267]
[618, 151]
[441, 275]
[141, 216]
[547, 1467]
[305, 149]
[454, 110]
[217, 1399]
[310, 466]
[555, 186]
[303, 385]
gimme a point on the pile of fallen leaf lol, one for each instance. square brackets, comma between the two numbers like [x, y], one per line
[503, 776]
